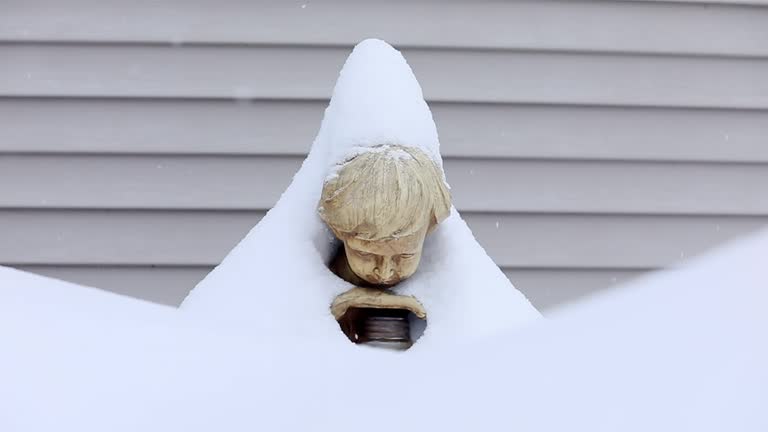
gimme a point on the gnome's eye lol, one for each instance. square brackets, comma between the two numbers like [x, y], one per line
[363, 254]
[406, 256]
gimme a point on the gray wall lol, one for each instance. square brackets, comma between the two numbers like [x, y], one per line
[586, 142]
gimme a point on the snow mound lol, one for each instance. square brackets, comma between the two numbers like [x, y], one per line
[277, 278]
[679, 350]
[377, 100]
[28, 297]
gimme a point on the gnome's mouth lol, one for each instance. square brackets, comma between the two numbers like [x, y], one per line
[382, 284]
[375, 281]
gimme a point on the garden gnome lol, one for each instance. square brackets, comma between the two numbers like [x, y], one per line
[381, 204]
[386, 251]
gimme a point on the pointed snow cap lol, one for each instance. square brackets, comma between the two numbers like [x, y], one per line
[377, 100]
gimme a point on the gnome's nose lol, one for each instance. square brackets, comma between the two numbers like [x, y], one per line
[385, 272]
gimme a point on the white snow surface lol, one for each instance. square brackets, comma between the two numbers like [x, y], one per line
[30, 297]
[277, 278]
[377, 100]
[678, 350]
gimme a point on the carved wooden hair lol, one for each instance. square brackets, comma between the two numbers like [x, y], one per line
[388, 192]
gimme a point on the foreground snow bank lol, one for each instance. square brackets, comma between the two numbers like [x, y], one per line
[681, 350]
[29, 297]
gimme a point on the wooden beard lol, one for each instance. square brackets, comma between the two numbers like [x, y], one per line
[371, 313]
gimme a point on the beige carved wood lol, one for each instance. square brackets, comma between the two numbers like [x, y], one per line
[381, 204]
[374, 298]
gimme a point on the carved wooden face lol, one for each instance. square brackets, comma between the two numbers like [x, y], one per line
[385, 262]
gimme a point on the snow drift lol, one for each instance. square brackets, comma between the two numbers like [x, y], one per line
[679, 350]
[277, 279]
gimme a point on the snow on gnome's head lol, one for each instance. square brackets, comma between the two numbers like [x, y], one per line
[384, 192]
[381, 204]
[386, 188]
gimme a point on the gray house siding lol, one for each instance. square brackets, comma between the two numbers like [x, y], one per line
[586, 142]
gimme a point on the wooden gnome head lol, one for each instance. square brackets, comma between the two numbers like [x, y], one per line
[382, 204]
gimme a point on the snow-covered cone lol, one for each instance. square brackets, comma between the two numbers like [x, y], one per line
[276, 281]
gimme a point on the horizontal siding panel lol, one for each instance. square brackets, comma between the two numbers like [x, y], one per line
[709, 2]
[512, 240]
[603, 26]
[474, 130]
[549, 288]
[169, 285]
[605, 241]
[446, 75]
[121, 237]
[242, 182]
[166, 285]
